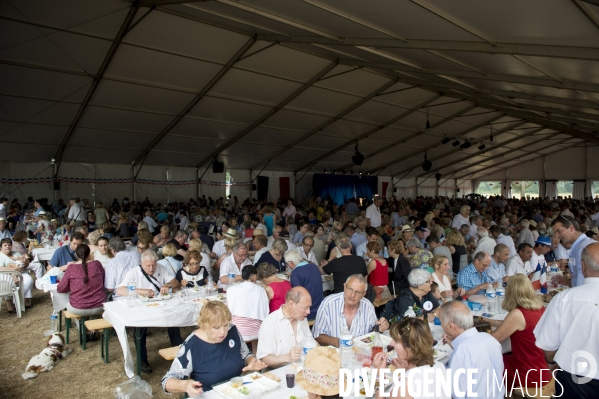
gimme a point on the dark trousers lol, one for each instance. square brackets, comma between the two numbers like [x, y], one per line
[566, 388]
[173, 334]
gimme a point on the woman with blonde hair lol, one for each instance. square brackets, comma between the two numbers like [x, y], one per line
[230, 242]
[413, 346]
[213, 353]
[525, 309]
[93, 238]
[163, 237]
[169, 262]
[440, 265]
[459, 256]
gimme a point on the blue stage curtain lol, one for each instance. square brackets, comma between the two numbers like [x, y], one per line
[343, 187]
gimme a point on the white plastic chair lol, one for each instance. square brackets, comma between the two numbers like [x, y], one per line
[8, 288]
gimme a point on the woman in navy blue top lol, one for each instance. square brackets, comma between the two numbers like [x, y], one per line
[212, 354]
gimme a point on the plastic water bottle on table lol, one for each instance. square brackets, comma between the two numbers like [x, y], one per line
[346, 349]
[491, 299]
[131, 293]
[500, 293]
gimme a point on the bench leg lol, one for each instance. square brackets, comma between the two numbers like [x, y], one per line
[137, 332]
[83, 332]
[105, 344]
[60, 321]
[68, 324]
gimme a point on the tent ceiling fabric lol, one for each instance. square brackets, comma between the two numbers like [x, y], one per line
[291, 86]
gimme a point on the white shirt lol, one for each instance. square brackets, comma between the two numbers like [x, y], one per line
[151, 223]
[219, 248]
[486, 244]
[472, 231]
[570, 324]
[536, 260]
[161, 276]
[330, 320]
[184, 222]
[310, 257]
[515, 265]
[228, 266]
[2, 211]
[374, 214]
[476, 350]
[76, 213]
[248, 300]
[171, 264]
[459, 220]
[276, 335]
[444, 285]
[270, 241]
[422, 379]
[290, 245]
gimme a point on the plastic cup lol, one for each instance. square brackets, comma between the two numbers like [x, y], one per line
[256, 393]
[236, 382]
[52, 279]
[290, 376]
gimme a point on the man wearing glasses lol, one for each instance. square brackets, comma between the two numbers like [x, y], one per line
[348, 309]
[234, 263]
[474, 278]
[306, 250]
[568, 232]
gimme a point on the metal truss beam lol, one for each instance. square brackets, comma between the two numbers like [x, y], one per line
[327, 123]
[481, 152]
[395, 144]
[270, 113]
[97, 79]
[195, 100]
[370, 132]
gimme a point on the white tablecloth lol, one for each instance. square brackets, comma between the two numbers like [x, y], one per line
[174, 313]
[59, 301]
[43, 254]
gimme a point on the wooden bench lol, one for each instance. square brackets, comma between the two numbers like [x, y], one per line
[169, 353]
[104, 327]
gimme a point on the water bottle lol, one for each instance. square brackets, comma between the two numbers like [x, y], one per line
[346, 349]
[131, 293]
[491, 299]
[385, 253]
[54, 321]
[55, 241]
[308, 344]
[210, 285]
[231, 279]
[500, 297]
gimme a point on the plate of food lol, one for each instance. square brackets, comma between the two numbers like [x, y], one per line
[218, 297]
[260, 381]
[366, 340]
[145, 298]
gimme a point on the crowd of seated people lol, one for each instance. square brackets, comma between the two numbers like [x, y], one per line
[422, 255]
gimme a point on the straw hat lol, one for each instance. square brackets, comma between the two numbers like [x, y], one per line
[257, 232]
[231, 233]
[320, 374]
[406, 227]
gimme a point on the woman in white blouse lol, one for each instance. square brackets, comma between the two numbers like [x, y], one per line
[440, 264]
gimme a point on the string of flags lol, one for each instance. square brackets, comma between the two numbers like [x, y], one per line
[83, 180]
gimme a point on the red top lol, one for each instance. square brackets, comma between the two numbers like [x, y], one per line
[380, 275]
[280, 290]
[84, 296]
[526, 355]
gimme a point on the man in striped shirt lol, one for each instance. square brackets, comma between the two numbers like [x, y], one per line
[348, 309]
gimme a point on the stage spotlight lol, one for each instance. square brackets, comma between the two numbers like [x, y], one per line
[445, 140]
[358, 158]
[482, 146]
[426, 165]
[465, 145]
[455, 143]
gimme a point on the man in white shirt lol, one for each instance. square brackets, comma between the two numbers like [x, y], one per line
[475, 222]
[306, 250]
[521, 262]
[485, 243]
[149, 219]
[471, 350]
[461, 218]
[151, 278]
[373, 213]
[3, 205]
[275, 234]
[76, 213]
[218, 248]
[500, 238]
[568, 330]
[285, 328]
[289, 211]
[525, 235]
[234, 263]
[541, 248]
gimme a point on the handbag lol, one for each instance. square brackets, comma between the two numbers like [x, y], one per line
[73, 221]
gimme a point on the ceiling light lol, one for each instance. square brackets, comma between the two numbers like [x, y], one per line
[455, 143]
[358, 158]
[482, 146]
[445, 140]
[465, 145]
[426, 165]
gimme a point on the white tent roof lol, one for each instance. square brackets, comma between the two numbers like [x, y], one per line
[293, 85]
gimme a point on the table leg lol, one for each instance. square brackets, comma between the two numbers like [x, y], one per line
[137, 332]
[60, 320]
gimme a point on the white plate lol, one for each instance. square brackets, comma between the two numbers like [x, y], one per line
[262, 382]
[226, 391]
[359, 341]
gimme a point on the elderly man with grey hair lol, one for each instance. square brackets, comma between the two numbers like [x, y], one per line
[485, 243]
[231, 266]
[525, 235]
[120, 264]
[308, 275]
[150, 279]
[474, 278]
[472, 350]
[348, 309]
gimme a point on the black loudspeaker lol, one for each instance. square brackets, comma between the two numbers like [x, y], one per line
[254, 187]
[458, 190]
[218, 167]
[56, 185]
